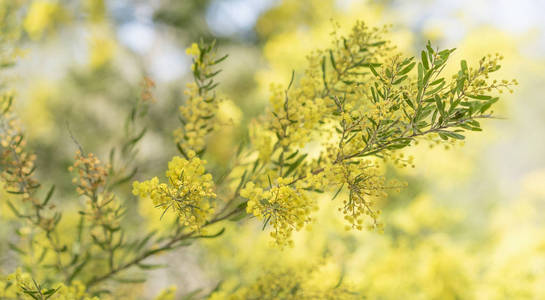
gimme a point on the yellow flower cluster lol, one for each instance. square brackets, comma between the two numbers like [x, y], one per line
[42, 16]
[365, 183]
[20, 285]
[91, 174]
[284, 206]
[188, 191]
[477, 82]
[198, 116]
[102, 48]
[193, 50]
[16, 163]
[295, 113]
[199, 112]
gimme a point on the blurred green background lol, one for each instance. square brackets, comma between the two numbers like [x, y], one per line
[469, 226]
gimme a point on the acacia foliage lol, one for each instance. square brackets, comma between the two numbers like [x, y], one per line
[358, 104]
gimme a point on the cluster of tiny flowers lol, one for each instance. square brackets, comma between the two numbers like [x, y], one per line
[294, 114]
[17, 164]
[478, 77]
[478, 81]
[285, 207]
[187, 193]
[91, 174]
[147, 86]
[20, 285]
[366, 184]
[198, 113]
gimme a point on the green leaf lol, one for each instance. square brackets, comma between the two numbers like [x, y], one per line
[401, 144]
[240, 215]
[13, 209]
[480, 97]
[463, 64]
[48, 196]
[444, 54]
[494, 69]
[134, 140]
[15, 192]
[151, 266]
[291, 80]
[409, 102]
[440, 80]
[241, 183]
[407, 69]
[440, 105]
[485, 107]
[295, 164]
[210, 75]
[424, 58]
[399, 80]
[460, 82]
[79, 267]
[436, 89]
[130, 280]
[211, 236]
[292, 155]
[430, 49]
[126, 178]
[453, 135]
[323, 73]
[377, 43]
[16, 249]
[220, 59]
[420, 76]
[332, 60]
[49, 292]
[338, 191]
[266, 222]
[145, 240]
[375, 98]
[31, 294]
[373, 70]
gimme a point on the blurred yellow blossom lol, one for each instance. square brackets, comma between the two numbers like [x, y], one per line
[42, 16]
[102, 49]
[193, 50]
[167, 294]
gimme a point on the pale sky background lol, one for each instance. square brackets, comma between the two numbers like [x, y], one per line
[237, 17]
